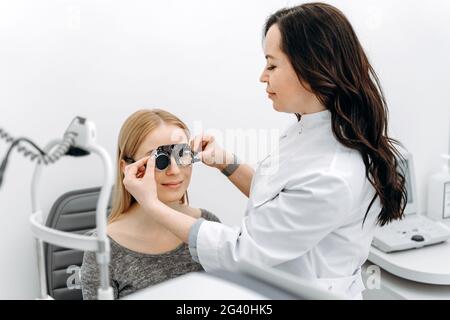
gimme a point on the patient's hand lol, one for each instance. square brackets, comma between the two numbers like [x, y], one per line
[139, 180]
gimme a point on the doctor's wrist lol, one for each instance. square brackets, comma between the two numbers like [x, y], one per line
[231, 164]
[220, 166]
[222, 160]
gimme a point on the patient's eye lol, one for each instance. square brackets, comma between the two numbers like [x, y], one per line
[270, 68]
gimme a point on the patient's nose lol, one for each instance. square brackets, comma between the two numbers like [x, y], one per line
[173, 168]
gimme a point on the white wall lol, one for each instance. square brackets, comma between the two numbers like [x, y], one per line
[198, 59]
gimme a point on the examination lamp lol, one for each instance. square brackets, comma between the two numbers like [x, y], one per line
[78, 140]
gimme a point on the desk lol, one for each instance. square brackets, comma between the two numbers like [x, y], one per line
[196, 286]
[251, 281]
[430, 264]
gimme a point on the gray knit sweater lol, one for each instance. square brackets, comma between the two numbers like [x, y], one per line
[130, 271]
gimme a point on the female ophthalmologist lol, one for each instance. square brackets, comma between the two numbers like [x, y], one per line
[314, 215]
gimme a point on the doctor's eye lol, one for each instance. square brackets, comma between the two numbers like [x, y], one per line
[270, 68]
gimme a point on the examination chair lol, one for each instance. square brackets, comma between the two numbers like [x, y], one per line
[74, 212]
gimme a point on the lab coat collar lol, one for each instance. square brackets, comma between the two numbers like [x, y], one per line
[312, 120]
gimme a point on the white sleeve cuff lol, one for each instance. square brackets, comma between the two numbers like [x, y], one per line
[193, 234]
[216, 246]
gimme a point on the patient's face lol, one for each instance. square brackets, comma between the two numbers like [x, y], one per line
[172, 182]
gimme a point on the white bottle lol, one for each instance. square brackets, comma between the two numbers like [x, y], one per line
[439, 194]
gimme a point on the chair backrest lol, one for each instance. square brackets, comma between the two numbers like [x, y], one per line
[72, 212]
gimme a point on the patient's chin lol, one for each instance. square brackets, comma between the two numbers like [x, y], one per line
[171, 196]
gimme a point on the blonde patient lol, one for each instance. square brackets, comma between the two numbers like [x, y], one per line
[144, 253]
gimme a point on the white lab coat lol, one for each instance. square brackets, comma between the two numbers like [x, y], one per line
[305, 212]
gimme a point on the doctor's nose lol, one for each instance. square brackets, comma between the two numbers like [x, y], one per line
[264, 78]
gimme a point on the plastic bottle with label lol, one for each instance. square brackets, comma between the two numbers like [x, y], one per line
[439, 193]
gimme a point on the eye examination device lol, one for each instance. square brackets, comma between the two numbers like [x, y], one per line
[78, 140]
[83, 142]
[182, 153]
[413, 248]
[414, 230]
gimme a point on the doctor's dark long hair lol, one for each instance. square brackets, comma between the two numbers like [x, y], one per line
[327, 55]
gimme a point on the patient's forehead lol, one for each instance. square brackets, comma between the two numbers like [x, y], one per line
[163, 135]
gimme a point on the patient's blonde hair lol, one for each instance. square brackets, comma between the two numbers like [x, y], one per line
[131, 136]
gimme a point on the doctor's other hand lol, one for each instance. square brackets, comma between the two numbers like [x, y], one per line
[210, 152]
[139, 180]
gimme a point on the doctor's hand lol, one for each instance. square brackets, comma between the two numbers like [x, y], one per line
[210, 152]
[140, 181]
